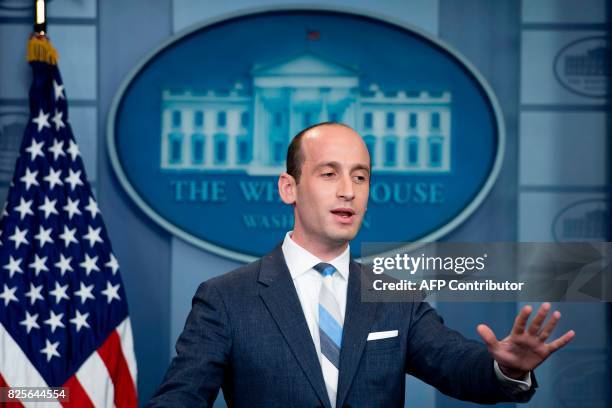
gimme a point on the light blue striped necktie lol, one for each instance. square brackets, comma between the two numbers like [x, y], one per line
[330, 331]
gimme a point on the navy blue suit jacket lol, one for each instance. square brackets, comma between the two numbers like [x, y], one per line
[246, 334]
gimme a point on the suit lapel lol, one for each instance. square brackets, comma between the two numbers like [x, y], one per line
[357, 322]
[279, 295]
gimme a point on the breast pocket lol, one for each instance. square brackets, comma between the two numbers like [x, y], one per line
[383, 364]
[383, 344]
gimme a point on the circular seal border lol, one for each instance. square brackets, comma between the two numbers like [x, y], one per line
[558, 76]
[553, 229]
[237, 256]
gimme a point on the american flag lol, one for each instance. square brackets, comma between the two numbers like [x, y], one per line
[63, 312]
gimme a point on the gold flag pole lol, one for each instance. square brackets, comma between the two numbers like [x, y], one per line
[39, 47]
[40, 18]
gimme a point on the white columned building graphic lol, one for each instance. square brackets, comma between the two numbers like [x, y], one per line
[236, 130]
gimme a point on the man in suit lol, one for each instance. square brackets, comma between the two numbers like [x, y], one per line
[290, 330]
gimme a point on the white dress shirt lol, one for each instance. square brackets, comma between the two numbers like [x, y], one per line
[308, 281]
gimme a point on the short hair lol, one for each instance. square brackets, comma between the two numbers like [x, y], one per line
[295, 155]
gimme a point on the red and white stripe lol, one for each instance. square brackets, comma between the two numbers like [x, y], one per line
[106, 379]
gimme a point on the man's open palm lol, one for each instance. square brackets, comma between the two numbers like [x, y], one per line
[525, 349]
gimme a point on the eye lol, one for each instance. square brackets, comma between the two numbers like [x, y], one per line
[360, 179]
[328, 174]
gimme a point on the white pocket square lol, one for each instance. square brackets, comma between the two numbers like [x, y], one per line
[382, 335]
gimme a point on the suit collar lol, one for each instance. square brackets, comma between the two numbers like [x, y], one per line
[282, 301]
[357, 323]
[280, 297]
[273, 269]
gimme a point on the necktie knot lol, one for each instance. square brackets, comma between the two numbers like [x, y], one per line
[325, 269]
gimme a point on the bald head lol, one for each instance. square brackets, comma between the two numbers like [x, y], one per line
[296, 153]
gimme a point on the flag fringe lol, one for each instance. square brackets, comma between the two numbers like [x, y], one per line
[41, 50]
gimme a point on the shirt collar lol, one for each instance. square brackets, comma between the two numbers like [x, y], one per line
[300, 261]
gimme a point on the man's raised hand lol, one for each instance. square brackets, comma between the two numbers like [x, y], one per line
[525, 349]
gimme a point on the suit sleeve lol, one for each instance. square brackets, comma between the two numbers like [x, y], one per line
[202, 354]
[456, 366]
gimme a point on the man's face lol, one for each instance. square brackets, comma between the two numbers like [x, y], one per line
[332, 192]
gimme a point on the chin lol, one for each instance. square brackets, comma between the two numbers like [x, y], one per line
[342, 236]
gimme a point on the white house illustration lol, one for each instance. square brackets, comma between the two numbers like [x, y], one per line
[235, 130]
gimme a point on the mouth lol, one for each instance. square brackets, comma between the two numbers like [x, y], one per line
[344, 215]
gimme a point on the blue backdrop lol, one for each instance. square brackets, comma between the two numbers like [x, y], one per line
[556, 150]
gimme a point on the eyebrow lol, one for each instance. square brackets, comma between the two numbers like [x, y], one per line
[335, 164]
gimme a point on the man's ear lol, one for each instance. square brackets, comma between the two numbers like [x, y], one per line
[287, 188]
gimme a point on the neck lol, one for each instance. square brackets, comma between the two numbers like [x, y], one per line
[325, 251]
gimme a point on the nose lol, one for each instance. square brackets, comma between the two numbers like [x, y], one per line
[346, 189]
